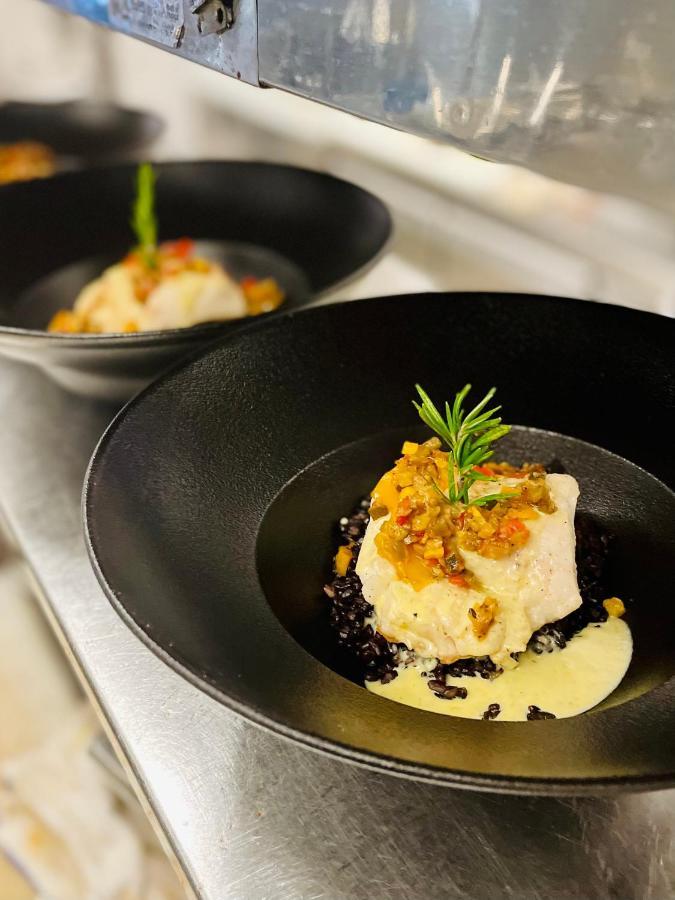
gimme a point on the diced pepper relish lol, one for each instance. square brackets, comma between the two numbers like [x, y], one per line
[169, 259]
[425, 534]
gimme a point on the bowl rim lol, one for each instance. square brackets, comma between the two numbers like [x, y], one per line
[148, 127]
[109, 340]
[331, 747]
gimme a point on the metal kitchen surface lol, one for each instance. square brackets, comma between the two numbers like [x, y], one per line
[249, 816]
[220, 34]
[581, 91]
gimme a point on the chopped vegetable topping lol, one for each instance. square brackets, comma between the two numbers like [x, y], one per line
[342, 559]
[614, 607]
[66, 321]
[168, 260]
[262, 295]
[425, 534]
[440, 501]
[482, 616]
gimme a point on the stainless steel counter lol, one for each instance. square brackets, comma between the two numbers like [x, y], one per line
[251, 817]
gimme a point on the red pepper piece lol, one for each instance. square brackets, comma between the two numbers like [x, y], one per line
[511, 526]
[182, 248]
[458, 580]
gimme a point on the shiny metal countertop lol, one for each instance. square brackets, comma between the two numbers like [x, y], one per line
[249, 816]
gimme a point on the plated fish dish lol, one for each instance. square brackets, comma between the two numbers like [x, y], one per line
[471, 587]
[162, 285]
[25, 160]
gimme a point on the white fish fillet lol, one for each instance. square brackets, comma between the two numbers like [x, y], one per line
[191, 298]
[182, 300]
[534, 585]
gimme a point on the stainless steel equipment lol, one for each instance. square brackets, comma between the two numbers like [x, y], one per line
[583, 91]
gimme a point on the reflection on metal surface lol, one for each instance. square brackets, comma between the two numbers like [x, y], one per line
[583, 91]
[220, 34]
[161, 21]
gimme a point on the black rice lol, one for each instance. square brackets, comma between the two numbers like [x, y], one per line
[348, 614]
[533, 713]
[446, 691]
[378, 658]
[479, 666]
[492, 711]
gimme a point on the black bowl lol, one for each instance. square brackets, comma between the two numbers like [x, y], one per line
[80, 130]
[314, 231]
[210, 501]
[116, 366]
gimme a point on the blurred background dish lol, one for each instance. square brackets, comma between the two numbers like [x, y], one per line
[70, 134]
[24, 160]
[319, 231]
[53, 293]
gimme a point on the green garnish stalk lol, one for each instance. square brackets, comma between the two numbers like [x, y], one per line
[468, 437]
[143, 218]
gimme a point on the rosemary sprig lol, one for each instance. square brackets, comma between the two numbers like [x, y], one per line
[143, 217]
[468, 437]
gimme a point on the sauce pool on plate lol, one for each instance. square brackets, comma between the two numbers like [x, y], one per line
[563, 682]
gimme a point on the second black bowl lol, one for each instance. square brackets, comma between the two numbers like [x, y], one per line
[309, 230]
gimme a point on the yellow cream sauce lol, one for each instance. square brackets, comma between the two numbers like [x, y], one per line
[564, 682]
[409, 567]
